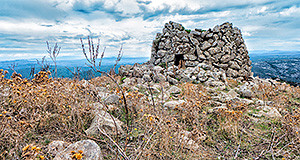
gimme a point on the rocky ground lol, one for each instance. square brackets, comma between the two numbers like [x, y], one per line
[148, 117]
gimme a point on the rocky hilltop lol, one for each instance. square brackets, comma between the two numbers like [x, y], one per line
[195, 99]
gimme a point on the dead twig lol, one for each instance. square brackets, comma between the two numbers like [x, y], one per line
[93, 56]
[120, 150]
[53, 54]
[238, 149]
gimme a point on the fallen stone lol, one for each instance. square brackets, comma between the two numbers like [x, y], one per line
[174, 104]
[215, 109]
[174, 90]
[245, 92]
[112, 99]
[104, 121]
[55, 147]
[90, 149]
[269, 112]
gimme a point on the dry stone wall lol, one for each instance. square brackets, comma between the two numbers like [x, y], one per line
[200, 56]
[222, 48]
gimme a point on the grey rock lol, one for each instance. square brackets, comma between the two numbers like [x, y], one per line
[216, 109]
[112, 99]
[174, 104]
[84, 83]
[201, 57]
[106, 122]
[159, 78]
[174, 90]
[127, 80]
[194, 41]
[161, 53]
[187, 140]
[216, 29]
[191, 63]
[215, 83]
[158, 69]
[215, 38]
[147, 78]
[190, 57]
[232, 94]
[181, 34]
[246, 101]
[269, 112]
[225, 58]
[245, 92]
[5, 92]
[210, 35]
[203, 34]
[214, 44]
[195, 33]
[161, 45]
[202, 77]
[231, 73]
[186, 78]
[91, 151]
[224, 66]
[223, 77]
[204, 66]
[56, 147]
[172, 80]
[103, 95]
[211, 41]
[177, 26]
[234, 65]
[213, 51]
[260, 102]
[185, 39]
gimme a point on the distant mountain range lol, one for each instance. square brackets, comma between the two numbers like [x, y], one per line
[280, 65]
[24, 66]
[283, 66]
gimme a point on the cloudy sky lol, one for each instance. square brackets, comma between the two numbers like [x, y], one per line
[25, 25]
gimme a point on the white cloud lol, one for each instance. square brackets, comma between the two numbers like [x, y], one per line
[135, 24]
[246, 33]
[262, 9]
[128, 7]
[293, 11]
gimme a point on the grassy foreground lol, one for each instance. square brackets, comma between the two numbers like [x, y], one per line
[35, 112]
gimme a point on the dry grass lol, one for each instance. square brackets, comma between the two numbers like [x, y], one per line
[38, 111]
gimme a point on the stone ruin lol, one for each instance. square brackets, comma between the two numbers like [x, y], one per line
[222, 48]
[196, 55]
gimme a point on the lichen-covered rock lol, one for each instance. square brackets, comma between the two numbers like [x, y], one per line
[269, 112]
[56, 147]
[174, 90]
[245, 92]
[90, 151]
[174, 104]
[112, 99]
[104, 121]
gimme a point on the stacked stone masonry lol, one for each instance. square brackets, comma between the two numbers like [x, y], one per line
[200, 56]
[222, 47]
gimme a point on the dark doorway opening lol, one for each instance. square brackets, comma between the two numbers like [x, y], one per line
[178, 59]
